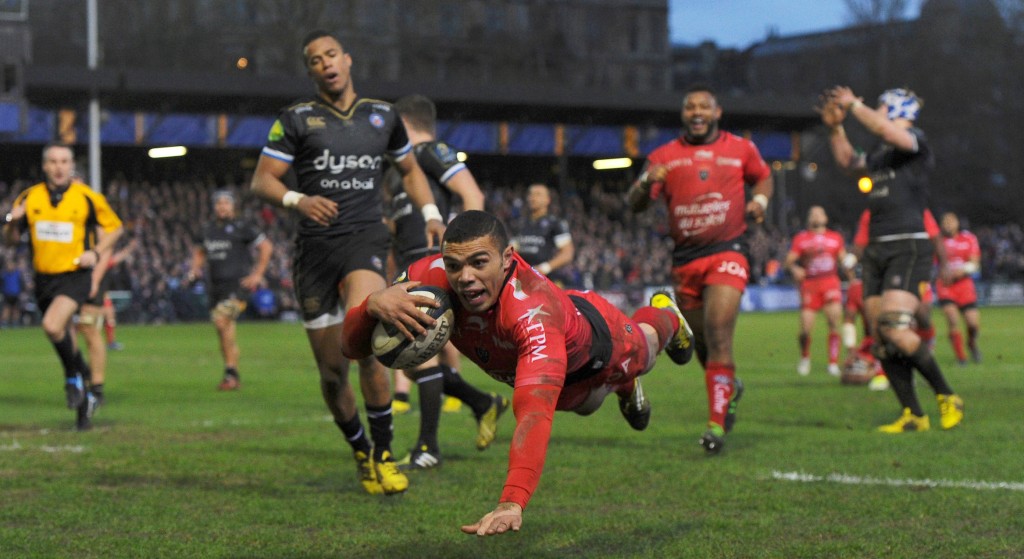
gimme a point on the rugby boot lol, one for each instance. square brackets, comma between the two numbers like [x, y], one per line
[906, 423]
[951, 410]
[487, 423]
[390, 478]
[367, 474]
[421, 458]
[635, 407]
[713, 439]
[680, 347]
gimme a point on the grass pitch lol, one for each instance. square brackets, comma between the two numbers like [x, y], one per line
[176, 469]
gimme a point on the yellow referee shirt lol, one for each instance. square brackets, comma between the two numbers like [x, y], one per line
[61, 233]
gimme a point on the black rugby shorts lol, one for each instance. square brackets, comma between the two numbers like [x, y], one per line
[321, 263]
[904, 265]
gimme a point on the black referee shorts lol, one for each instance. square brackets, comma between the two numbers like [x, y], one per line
[321, 263]
[75, 285]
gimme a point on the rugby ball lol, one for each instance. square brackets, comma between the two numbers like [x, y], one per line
[396, 351]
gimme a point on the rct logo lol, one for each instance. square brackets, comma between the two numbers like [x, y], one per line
[337, 164]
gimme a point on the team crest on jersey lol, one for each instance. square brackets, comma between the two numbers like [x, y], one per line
[704, 174]
[276, 131]
[311, 304]
[376, 120]
[229, 229]
[377, 263]
[476, 323]
[483, 355]
[315, 122]
[517, 290]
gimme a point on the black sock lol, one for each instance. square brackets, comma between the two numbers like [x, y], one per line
[82, 367]
[66, 351]
[923, 361]
[456, 387]
[381, 428]
[231, 372]
[97, 390]
[901, 378]
[430, 383]
[354, 434]
[401, 397]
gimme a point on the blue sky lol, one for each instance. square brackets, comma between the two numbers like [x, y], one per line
[738, 23]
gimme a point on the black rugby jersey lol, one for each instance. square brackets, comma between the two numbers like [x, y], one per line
[538, 239]
[439, 163]
[899, 187]
[227, 245]
[339, 155]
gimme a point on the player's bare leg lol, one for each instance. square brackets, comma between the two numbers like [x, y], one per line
[901, 350]
[972, 317]
[90, 321]
[807, 317]
[375, 386]
[952, 314]
[833, 315]
[721, 308]
[224, 322]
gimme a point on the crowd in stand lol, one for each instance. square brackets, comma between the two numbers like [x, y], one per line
[616, 250]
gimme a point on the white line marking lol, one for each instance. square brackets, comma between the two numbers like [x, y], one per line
[858, 480]
[16, 446]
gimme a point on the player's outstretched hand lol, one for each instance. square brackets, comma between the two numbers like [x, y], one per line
[319, 209]
[505, 517]
[434, 229]
[832, 113]
[396, 306]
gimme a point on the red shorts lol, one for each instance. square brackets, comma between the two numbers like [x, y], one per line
[815, 293]
[628, 358]
[722, 268]
[855, 297]
[961, 293]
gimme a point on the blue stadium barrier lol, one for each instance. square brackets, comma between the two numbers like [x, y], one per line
[10, 117]
[244, 131]
[594, 140]
[531, 139]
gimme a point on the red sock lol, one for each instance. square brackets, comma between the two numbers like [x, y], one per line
[664, 322]
[833, 348]
[805, 345]
[865, 346]
[108, 330]
[958, 345]
[719, 380]
[927, 336]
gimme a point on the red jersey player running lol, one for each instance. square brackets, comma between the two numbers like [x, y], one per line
[703, 175]
[963, 256]
[813, 261]
[560, 350]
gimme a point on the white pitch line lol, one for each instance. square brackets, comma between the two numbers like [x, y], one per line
[15, 446]
[858, 480]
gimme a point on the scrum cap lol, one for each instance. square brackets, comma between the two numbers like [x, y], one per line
[901, 103]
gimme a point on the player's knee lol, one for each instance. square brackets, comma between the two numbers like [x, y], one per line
[890, 322]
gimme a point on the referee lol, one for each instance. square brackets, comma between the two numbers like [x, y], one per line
[69, 225]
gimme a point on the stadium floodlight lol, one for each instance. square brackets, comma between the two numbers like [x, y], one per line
[615, 163]
[169, 151]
